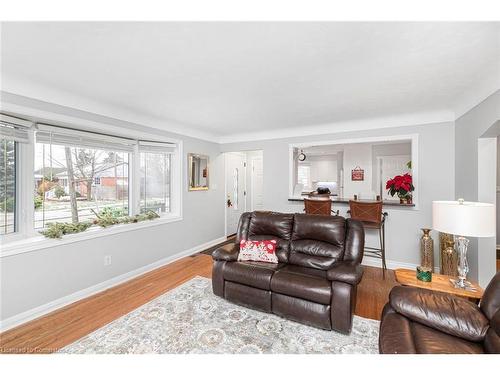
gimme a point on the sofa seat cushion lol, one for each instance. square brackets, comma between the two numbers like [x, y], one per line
[431, 341]
[305, 271]
[300, 282]
[255, 274]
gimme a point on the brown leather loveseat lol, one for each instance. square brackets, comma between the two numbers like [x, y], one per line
[423, 321]
[315, 280]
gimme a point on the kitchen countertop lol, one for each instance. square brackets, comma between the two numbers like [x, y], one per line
[386, 202]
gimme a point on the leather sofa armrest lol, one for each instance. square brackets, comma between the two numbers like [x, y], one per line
[227, 252]
[349, 272]
[444, 312]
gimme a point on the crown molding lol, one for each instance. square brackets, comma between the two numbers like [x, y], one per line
[344, 126]
[53, 96]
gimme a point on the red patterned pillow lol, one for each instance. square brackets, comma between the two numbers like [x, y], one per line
[258, 251]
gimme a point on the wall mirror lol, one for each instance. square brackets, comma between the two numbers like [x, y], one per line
[198, 172]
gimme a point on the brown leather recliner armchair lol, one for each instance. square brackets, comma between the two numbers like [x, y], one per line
[315, 280]
[423, 321]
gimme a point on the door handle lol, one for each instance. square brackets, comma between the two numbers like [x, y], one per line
[229, 203]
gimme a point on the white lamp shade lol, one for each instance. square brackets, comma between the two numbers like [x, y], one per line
[468, 219]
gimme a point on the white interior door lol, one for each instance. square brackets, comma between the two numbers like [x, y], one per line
[235, 190]
[388, 167]
[257, 184]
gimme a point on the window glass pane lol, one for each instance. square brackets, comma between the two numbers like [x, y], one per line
[72, 184]
[7, 186]
[155, 182]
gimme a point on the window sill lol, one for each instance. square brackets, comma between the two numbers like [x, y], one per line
[39, 242]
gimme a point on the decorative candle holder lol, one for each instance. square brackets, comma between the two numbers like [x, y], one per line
[448, 255]
[427, 249]
[424, 274]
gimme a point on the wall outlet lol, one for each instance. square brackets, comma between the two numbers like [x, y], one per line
[107, 260]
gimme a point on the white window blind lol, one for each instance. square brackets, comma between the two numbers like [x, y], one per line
[69, 137]
[157, 147]
[14, 129]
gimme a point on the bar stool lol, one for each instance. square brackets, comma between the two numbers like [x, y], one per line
[372, 217]
[319, 206]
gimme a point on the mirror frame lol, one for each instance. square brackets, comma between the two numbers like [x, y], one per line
[190, 171]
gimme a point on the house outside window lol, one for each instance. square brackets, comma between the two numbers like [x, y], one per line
[79, 176]
[68, 183]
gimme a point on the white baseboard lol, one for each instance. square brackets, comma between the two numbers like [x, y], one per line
[391, 264]
[44, 309]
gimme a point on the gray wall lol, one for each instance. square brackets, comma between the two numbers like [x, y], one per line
[32, 279]
[468, 129]
[436, 181]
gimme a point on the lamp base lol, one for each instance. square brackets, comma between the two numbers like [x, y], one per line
[462, 284]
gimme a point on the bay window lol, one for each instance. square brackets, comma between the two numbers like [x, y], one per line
[52, 174]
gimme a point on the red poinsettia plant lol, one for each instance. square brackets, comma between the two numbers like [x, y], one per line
[401, 185]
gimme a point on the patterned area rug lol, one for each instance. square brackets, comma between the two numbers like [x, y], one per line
[191, 319]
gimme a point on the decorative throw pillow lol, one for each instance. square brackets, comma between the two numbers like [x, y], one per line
[258, 251]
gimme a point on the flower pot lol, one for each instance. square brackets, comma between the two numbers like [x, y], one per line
[402, 198]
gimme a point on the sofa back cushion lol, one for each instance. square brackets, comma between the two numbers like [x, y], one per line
[490, 303]
[243, 225]
[317, 241]
[492, 339]
[272, 226]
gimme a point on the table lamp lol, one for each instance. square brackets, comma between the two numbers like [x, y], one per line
[463, 219]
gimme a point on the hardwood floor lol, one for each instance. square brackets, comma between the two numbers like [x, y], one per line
[64, 326]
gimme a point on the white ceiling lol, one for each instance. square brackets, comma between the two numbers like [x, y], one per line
[230, 79]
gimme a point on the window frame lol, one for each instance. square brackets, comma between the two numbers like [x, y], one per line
[16, 190]
[26, 238]
[164, 155]
[412, 137]
[309, 182]
[73, 149]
